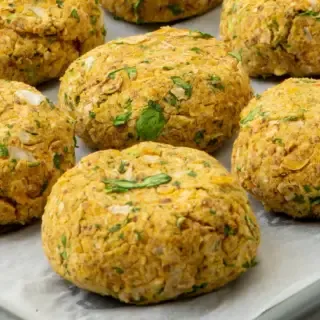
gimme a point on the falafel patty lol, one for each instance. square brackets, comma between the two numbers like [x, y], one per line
[36, 147]
[275, 37]
[39, 39]
[144, 11]
[149, 223]
[173, 86]
[277, 154]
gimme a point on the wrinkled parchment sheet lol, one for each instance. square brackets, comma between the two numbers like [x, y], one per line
[288, 259]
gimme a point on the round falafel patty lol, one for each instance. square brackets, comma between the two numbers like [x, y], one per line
[36, 147]
[149, 223]
[144, 11]
[277, 154]
[274, 37]
[39, 39]
[173, 86]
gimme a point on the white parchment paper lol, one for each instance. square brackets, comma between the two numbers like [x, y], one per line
[288, 257]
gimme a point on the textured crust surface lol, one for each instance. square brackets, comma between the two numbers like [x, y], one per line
[276, 37]
[276, 156]
[174, 86]
[36, 147]
[144, 11]
[187, 236]
[39, 39]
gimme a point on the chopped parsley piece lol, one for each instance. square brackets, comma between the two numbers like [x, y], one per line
[238, 168]
[198, 137]
[115, 228]
[278, 141]
[196, 288]
[121, 236]
[192, 174]
[175, 9]
[92, 114]
[171, 99]
[118, 270]
[122, 119]
[59, 3]
[258, 96]
[299, 198]
[215, 82]
[195, 49]
[151, 122]
[307, 188]
[51, 104]
[315, 201]
[167, 68]
[131, 71]
[116, 185]
[33, 164]
[138, 235]
[251, 116]
[122, 167]
[200, 34]
[250, 264]
[177, 184]
[57, 160]
[44, 187]
[213, 212]
[183, 84]
[206, 164]
[64, 240]
[311, 13]
[236, 54]
[228, 231]
[4, 152]
[137, 6]
[93, 20]
[75, 15]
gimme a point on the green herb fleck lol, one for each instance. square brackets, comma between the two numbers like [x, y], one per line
[315, 201]
[198, 137]
[137, 6]
[177, 184]
[115, 228]
[215, 82]
[59, 3]
[228, 231]
[122, 167]
[92, 114]
[64, 240]
[236, 54]
[33, 164]
[299, 198]
[93, 20]
[206, 164]
[151, 122]
[195, 49]
[44, 187]
[196, 288]
[175, 9]
[278, 141]
[192, 174]
[75, 15]
[310, 13]
[171, 99]
[250, 264]
[57, 160]
[115, 185]
[121, 236]
[122, 119]
[4, 152]
[183, 84]
[138, 235]
[118, 270]
[167, 68]
[75, 142]
[307, 188]
[250, 116]
[200, 34]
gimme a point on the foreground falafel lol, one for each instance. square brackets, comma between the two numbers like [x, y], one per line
[143, 11]
[173, 86]
[36, 147]
[149, 223]
[39, 39]
[277, 154]
[274, 37]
